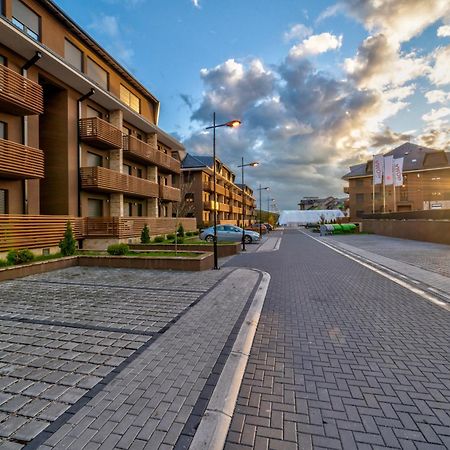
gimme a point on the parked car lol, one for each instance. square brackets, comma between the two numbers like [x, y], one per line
[229, 233]
[255, 227]
[269, 227]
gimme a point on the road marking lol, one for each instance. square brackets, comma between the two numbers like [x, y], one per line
[402, 283]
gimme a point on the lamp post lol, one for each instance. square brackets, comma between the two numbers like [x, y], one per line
[260, 189]
[252, 164]
[268, 207]
[231, 124]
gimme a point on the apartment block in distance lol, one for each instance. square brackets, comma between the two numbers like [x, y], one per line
[198, 193]
[426, 183]
[79, 138]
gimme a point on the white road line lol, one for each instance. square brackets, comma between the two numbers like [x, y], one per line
[402, 283]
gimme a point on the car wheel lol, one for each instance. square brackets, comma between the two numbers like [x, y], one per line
[248, 239]
[209, 238]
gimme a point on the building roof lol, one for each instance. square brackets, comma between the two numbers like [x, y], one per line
[414, 158]
[196, 161]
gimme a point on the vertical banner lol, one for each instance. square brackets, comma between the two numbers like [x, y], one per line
[388, 170]
[378, 169]
[398, 172]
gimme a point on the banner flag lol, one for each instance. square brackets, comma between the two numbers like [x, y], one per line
[378, 169]
[388, 170]
[398, 172]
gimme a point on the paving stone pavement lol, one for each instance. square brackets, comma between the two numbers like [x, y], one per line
[342, 358]
[62, 334]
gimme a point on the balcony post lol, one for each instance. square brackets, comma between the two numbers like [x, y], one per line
[116, 205]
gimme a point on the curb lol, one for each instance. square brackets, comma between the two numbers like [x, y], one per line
[213, 429]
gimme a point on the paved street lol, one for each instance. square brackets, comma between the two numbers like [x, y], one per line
[342, 358]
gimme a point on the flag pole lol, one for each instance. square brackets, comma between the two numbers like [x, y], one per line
[373, 185]
[395, 201]
[384, 193]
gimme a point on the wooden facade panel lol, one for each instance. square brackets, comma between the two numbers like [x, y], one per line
[167, 162]
[134, 148]
[169, 193]
[20, 161]
[101, 179]
[27, 231]
[19, 95]
[100, 133]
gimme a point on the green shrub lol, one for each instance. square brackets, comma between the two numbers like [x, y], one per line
[3, 263]
[189, 233]
[170, 237]
[180, 231]
[118, 249]
[180, 240]
[145, 235]
[19, 256]
[195, 233]
[158, 239]
[68, 244]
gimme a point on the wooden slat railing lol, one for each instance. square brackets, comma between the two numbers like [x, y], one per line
[19, 95]
[100, 133]
[20, 161]
[131, 227]
[134, 148]
[167, 162]
[106, 180]
[169, 193]
[29, 231]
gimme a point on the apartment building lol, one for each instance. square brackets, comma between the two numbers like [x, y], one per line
[426, 183]
[79, 135]
[197, 188]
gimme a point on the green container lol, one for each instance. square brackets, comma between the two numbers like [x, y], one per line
[348, 227]
[337, 229]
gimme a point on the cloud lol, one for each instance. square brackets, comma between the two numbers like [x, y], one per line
[444, 31]
[438, 138]
[316, 44]
[440, 73]
[196, 3]
[437, 96]
[436, 114]
[297, 31]
[387, 137]
[187, 100]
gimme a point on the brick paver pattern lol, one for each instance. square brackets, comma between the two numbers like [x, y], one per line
[343, 358]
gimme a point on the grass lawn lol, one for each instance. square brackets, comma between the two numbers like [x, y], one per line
[148, 253]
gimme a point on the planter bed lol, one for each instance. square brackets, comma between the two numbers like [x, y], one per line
[223, 249]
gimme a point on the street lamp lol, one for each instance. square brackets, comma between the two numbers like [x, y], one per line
[268, 206]
[252, 164]
[231, 124]
[260, 189]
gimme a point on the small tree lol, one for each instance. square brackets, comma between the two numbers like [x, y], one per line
[180, 231]
[68, 244]
[145, 235]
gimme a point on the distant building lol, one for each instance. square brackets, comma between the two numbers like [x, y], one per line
[426, 183]
[197, 189]
[311, 203]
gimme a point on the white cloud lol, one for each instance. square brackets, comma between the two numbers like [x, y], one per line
[298, 31]
[444, 31]
[440, 73]
[437, 96]
[436, 114]
[316, 44]
[196, 3]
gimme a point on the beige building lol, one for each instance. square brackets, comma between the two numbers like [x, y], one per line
[79, 136]
[426, 183]
[197, 188]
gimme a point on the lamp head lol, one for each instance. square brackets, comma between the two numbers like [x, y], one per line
[254, 164]
[233, 123]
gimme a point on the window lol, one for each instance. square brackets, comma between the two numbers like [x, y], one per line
[128, 209]
[91, 112]
[73, 55]
[26, 19]
[359, 198]
[95, 207]
[139, 173]
[97, 74]
[94, 160]
[126, 169]
[126, 131]
[3, 201]
[2, 60]
[130, 99]
[3, 130]
[189, 197]
[140, 208]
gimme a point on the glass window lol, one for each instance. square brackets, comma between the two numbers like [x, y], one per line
[73, 55]
[94, 160]
[91, 112]
[26, 19]
[97, 74]
[127, 169]
[140, 208]
[3, 130]
[3, 201]
[95, 207]
[128, 209]
[2, 60]
[130, 99]
[126, 131]
[139, 173]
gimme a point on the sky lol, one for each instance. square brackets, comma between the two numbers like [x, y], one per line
[318, 86]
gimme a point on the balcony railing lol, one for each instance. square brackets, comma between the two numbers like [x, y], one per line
[346, 190]
[19, 161]
[19, 95]
[134, 148]
[169, 193]
[165, 161]
[102, 179]
[100, 133]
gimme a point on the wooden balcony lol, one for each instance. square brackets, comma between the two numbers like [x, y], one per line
[101, 179]
[19, 161]
[166, 162]
[28, 231]
[236, 210]
[169, 193]
[346, 190]
[19, 95]
[134, 148]
[208, 186]
[99, 133]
